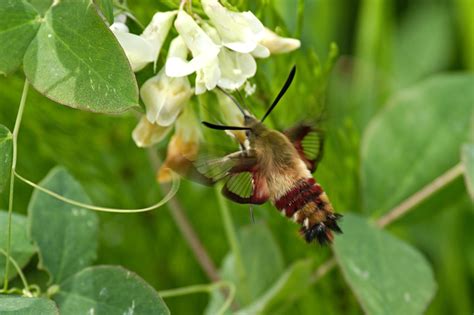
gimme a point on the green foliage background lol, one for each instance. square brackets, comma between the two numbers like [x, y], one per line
[388, 50]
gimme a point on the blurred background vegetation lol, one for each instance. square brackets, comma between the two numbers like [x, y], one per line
[384, 46]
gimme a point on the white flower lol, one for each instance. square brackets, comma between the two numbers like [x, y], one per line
[165, 97]
[277, 44]
[155, 33]
[235, 68]
[138, 50]
[239, 31]
[143, 49]
[147, 134]
[202, 48]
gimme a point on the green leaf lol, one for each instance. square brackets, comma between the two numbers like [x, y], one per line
[107, 8]
[66, 235]
[414, 58]
[288, 288]
[76, 61]
[21, 247]
[41, 5]
[257, 245]
[467, 157]
[6, 151]
[415, 139]
[387, 275]
[18, 25]
[20, 305]
[108, 290]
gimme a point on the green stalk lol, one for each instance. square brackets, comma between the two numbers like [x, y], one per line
[203, 288]
[16, 129]
[231, 234]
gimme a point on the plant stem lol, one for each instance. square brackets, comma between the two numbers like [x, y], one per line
[203, 288]
[231, 234]
[185, 227]
[172, 191]
[400, 210]
[16, 129]
[193, 240]
[18, 270]
[421, 195]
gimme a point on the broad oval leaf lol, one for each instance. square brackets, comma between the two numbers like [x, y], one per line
[19, 22]
[387, 275]
[467, 157]
[66, 235]
[288, 288]
[21, 249]
[108, 290]
[6, 152]
[76, 61]
[20, 305]
[415, 139]
[257, 245]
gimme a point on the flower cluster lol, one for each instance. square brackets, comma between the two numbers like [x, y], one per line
[219, 49]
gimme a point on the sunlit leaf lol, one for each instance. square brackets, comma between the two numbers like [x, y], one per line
[19, 305]
[41, 5]
[76, 61]
[21, 247]
[66, 235]
[108, 290]
[18, 25]
[467, 157]
[387, 275]
[415, 139]
[290, 286]
[6, 147]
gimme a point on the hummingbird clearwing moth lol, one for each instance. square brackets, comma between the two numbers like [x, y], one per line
[275, 166]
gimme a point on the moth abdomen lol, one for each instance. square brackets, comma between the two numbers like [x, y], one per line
[307, 204]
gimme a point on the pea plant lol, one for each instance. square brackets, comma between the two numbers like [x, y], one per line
[98, 57]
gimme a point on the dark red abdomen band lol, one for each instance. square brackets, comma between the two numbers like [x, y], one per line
[306, 190]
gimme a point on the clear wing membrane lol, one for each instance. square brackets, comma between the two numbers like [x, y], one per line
[309, 143]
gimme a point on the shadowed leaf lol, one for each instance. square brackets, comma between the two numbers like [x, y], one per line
[66, 235]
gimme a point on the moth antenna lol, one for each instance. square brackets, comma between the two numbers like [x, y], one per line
[222, 127]
[233, 100]
[282, 92]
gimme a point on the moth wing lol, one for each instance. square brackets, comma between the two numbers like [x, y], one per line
[309, 143]
[246, 186]
[215, 169]
[243, 183]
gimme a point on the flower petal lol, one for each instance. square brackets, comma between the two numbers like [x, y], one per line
[202, 47]
[147, 134]
[176, 64]
[239, 31]
[165, 97]
[236, 68]
[277, 44]
[207, 77]
[261, 51]
[158, 29]
[137, 49]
